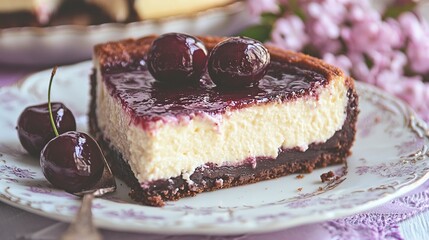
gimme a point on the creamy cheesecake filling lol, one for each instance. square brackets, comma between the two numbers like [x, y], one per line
[237, 135]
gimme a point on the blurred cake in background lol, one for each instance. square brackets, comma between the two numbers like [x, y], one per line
[148, 9]
[54, 32]
[39, 13]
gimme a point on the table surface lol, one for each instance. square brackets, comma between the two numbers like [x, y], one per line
[19, 224]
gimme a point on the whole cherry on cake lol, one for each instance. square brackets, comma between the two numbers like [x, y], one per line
[34, 128]
[71, 161]
[238, 62]
[177, 59]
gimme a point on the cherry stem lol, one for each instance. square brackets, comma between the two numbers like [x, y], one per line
[51, 117]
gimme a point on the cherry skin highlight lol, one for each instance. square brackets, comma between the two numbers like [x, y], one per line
[72, 161]
[177, 59]
[238, 62]
[35, 130]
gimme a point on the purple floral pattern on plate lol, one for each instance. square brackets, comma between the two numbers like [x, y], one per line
[13, 173]
[50, 192]
[390, 156]
[410, 146]
[131, 214]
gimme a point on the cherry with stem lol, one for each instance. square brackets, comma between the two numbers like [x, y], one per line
[72, 160]
[35, 128]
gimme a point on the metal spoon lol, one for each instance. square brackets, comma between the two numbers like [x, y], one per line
[82, 226]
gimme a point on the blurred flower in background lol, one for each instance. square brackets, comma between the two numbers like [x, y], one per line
[387, 45]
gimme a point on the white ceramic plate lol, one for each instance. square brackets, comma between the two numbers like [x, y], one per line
[68, 44]
[390, 157]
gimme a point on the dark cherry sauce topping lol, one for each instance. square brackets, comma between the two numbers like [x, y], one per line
[148, 100]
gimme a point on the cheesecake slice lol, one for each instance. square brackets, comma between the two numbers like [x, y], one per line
[169, 143]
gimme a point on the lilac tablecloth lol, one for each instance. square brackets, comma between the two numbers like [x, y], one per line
[403, 218]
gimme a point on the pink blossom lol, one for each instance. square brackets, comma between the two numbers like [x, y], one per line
[340, 61]
[417, 32]
[373, 36]
[413, 92]
[326, 45]
[359, 36]
[289, 33]
[324, 23]
[394, 60]
[398, 61]
[410, 89]
[360, 70]
[426, 99]
[425, 112]
[352, 35]
[391, 81]
[412, 27]
[256, 7]
[334, 10]
[356, 13]
[391, 33]
[418, 53]
[324, 27]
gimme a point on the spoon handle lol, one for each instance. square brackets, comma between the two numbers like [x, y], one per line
[82, 227]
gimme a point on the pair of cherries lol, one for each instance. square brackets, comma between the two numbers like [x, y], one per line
[70, 160]
[180, 59]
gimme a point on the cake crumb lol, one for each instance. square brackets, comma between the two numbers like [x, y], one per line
[300, 176]
[219, 183]
[299, 189]
[327, 176]
[320, 189]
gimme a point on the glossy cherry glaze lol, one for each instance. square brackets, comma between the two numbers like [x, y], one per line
[72, 161]
[35, 129]
[177, 59]
[147, 101]
[238, 62]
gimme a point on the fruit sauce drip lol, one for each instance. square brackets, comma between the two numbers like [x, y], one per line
[149, 100]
